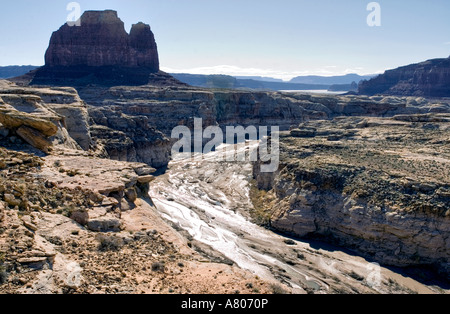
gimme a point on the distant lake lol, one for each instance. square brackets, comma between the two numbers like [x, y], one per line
[315, 91]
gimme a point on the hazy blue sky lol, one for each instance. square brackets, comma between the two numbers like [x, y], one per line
[280, 38]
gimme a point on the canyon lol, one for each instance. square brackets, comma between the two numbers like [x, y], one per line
[377, 185]
[92, 202]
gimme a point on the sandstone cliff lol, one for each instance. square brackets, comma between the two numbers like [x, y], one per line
[127, 119]
[101, 40]
[45, 117]
[101, 52]
[430, 78]
[378, 186]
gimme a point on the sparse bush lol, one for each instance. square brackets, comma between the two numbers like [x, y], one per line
[261, 212]
[356, 276]
[3, 275]
[110, 243]
[277, 289]
[80, 216]
[158, 267]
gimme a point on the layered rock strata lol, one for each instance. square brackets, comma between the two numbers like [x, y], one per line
[430, 78]
[101, 40]
[378, 186]
[100, 51]
[45, 117]
[127, 119]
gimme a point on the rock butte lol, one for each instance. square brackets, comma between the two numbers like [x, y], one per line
[101, 40]
[101, 52]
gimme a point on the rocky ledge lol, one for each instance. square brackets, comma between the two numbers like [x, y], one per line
[38, 117]
[73, 220]
[71, 223]
[379, 186]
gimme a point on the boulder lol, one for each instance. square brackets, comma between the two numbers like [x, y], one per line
[34, 138]
[146, 179]
[2, 211]
[100, 220]
[131, 194]
[14, 119]
[11, 200]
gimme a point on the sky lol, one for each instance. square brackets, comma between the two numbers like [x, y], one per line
[276, 38]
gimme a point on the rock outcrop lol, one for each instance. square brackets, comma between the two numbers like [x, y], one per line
[430, 79]
[72, 224]
[101, 40]
[44, 117]
[27, 117]
[378, 186]
[100, 52]
[129, 137]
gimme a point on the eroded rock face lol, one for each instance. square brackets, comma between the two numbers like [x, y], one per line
[45, 117]
[101, 40]
[129, 137]
[64, 229]
[99, 52]
[430, 78]
[371, 184]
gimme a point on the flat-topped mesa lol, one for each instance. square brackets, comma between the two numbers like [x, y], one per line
[101, 41]
[429, 79]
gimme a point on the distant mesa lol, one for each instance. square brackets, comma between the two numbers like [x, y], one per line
[15, 70]
[101, 52]
[331, 80]
[429, 79]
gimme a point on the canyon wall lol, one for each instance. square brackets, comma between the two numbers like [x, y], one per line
[44, 117]
[377, 186]
[430, 79]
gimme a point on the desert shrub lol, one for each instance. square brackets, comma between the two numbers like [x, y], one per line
[3, 272]
[277, 289]
[109, 243]
[261, 212]
[3, 275]
[80, 216]
[158, 267]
